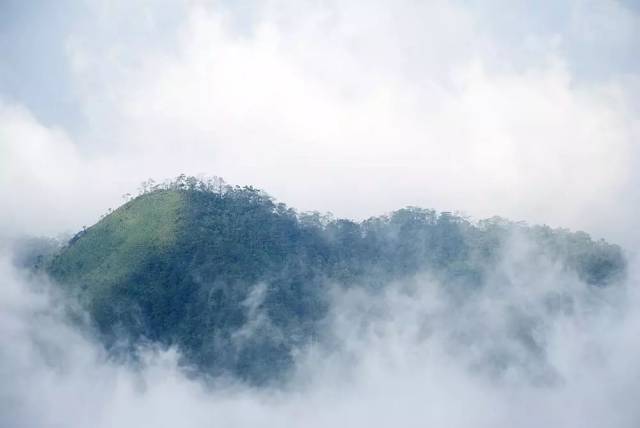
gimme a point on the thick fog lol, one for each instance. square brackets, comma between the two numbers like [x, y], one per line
[534, 346]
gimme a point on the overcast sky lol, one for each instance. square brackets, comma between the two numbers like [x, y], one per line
[528, 110]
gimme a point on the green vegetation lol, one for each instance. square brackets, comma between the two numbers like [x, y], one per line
[238, 281]
[112, 249]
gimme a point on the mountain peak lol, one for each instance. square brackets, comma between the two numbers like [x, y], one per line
[180, 265]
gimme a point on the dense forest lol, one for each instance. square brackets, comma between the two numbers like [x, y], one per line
[238, 281]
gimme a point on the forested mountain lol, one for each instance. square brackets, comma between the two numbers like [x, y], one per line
[238, 282]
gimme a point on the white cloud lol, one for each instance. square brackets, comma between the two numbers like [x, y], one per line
[410, 354]
[346, 108]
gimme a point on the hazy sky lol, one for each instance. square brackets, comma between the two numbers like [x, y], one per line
[528, 110]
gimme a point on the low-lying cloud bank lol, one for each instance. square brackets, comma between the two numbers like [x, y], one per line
[534, 346]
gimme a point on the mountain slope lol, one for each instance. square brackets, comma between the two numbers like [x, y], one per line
[239, 282]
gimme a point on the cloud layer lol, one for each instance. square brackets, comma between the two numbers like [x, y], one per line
[356, 109]
[534, 346]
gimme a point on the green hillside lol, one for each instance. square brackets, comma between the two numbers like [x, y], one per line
[238, 281]
[114, 248]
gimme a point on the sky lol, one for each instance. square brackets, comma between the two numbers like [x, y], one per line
[527, 111]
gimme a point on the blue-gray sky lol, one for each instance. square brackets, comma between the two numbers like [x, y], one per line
[526, 110]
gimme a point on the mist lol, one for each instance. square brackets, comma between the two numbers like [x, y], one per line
[532, 346]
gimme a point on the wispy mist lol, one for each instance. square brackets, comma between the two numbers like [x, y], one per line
[532, 346]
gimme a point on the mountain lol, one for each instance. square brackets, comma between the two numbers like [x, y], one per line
[239, 282]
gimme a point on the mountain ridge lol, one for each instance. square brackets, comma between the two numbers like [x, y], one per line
[178, 264]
